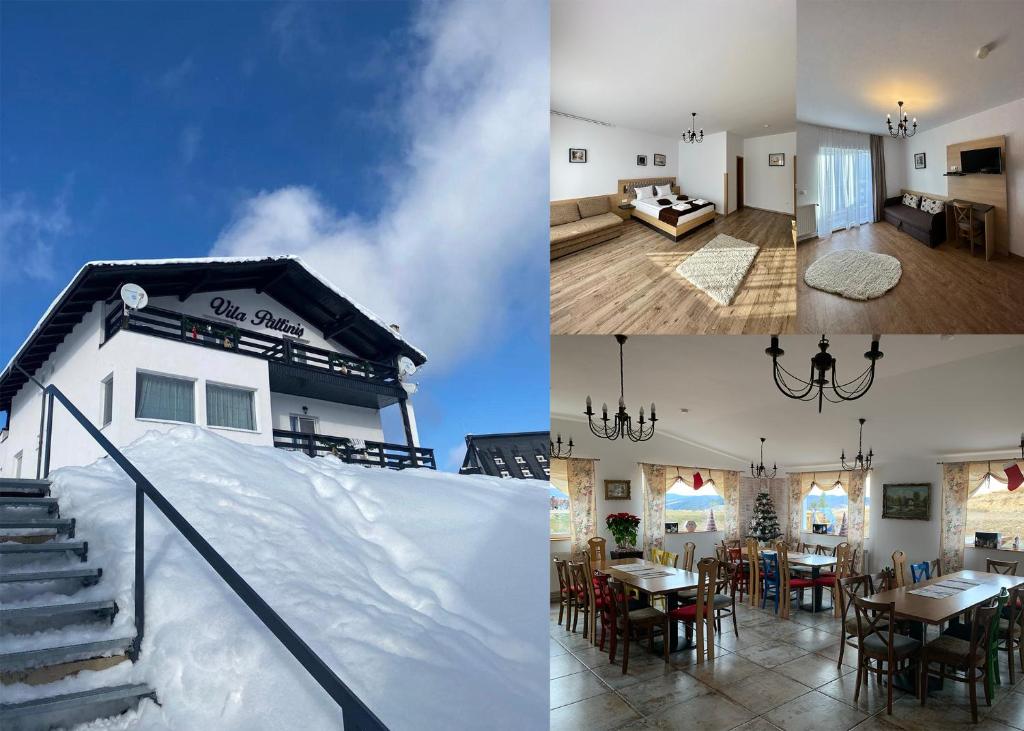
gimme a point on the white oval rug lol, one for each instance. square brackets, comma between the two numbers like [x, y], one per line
[854, 274]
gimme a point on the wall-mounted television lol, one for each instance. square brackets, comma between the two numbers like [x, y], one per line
[986, 160]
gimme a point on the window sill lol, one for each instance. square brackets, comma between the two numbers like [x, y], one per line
[560, 538]
[233, 428]
[694, 532]
[1008, 550]
[163, 421]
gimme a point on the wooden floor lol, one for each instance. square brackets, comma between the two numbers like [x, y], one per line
[942, 290]
[629, 284]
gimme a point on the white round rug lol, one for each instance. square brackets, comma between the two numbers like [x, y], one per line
[854, 274]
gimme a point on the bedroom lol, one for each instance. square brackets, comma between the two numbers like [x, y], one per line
[910, 209]
[677, 186]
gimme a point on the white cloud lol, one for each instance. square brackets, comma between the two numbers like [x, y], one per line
[28, 233]
[174, 77]
[463, 229]
[188, 143]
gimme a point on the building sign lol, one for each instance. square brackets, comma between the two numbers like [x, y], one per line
[262, 318]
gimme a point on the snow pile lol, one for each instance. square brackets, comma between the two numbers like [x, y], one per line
[425, 592]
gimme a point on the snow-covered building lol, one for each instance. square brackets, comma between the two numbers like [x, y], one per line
[516, 455]
[263, 350]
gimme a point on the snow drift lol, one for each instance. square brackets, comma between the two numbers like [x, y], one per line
[426, 592]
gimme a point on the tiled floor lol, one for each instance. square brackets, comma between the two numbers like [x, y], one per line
[779, 674]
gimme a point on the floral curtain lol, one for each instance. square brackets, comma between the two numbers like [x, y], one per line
[582, 502]
[855, 515]
[654, 506]
[731, 495]
[954, 512]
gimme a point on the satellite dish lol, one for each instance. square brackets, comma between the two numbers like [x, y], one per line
[134, 296]
[405, 366]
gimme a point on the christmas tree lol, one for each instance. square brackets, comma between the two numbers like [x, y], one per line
[764, 525]
[711, 521]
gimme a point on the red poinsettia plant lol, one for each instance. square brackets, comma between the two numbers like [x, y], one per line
[623, 527]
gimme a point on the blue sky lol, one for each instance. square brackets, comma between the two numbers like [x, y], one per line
[399, 148]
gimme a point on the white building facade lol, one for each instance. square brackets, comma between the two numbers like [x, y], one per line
[264, 351]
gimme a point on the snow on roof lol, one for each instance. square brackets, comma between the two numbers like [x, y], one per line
[427, 631]
[206, 260]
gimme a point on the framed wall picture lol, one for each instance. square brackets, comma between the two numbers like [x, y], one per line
[577, 154]
[641, 159]
[907, 501]
[776, 159]
[919, 161]
[659, 160]
[616, 490]
[671, 527]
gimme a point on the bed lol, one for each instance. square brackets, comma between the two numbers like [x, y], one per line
[668, 210]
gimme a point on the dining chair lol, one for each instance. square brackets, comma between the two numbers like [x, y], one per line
[583, 591]
[654, 555]
[787, 582]
[969, 656]
[967, 226]
[843, 569]
[688, 549]
[596, 546]
[920, 571]
[669, 559]
[724, 600]
[1011, 629]
[795, 545]
[936, 567]
[899, 568]
[604, 606]
[592, 596]
[877, 640]
[821, 550]
[566, 596]
[770, 582]
[626, 621]
[809, 548]
[1008, 568]
[850, 587]
[700, 615]
[753, 572]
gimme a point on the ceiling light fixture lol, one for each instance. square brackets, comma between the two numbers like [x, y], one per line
[902, 128]
[581, 119]
[822, 384]
[860, 462]
[984, 50]
[556, 451]
[690, 135]
[623, 424]
[761, 472]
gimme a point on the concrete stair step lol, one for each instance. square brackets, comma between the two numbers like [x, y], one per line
[26, 620]
[21, 487]
[10, 552]
[46, 665]
[82, 577]
[11, 506]
[60, 526]
[72, 709]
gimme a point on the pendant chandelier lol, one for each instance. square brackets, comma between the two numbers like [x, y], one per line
[622, 424]
[860, 462]
[822, 384]
[691, 135]
[902, 129]
[556, 451]
[761, 472]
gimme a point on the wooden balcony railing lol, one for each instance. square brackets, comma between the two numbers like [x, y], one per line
[376, 454]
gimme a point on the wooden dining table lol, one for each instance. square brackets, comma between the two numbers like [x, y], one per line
[671, 581]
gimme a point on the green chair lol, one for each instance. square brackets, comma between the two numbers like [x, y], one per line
[992, 676]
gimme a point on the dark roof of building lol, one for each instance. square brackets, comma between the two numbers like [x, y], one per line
[493, 454]
[285, 278]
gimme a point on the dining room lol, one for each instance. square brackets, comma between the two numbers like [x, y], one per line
[744, 560]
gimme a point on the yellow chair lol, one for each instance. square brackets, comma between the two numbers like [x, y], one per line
[669, 559]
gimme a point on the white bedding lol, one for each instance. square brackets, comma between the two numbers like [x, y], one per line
[651, 207]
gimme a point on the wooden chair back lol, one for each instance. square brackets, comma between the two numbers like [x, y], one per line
[878, 619]
[688, 549]
[754, 572]
[936, 567]
[583, 591]
[899, 568]
[564, 581]
[591, 593]
[669, 559]
[721, 554]
[782, 552]
[849, 588]
[1008, 568]
[596, 547]
[707, 583]
[654, 555]
[824, 551]
[842, 545]
[809, 548]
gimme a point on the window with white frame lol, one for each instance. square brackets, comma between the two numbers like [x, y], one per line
[499, 461]
[558, 496]
[230, 406]
[506, 473]
[17, 464]
[166, 398]
[694, 509]
[991, 507]
[107, 389]
[541, 458]
[520, 460]
[827, 504]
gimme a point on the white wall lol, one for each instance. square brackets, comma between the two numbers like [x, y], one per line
[340, 420]
[770, 188]
[702, 168]
[1007, 120]
[611, 156]
[895, 166]
[919, 539]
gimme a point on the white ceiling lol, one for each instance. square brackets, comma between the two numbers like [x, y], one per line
[855, 60]
[930, 397]
[647, 65]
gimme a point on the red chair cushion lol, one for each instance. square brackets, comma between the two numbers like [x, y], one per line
[687, 613]
[825, 581]
[800, 583]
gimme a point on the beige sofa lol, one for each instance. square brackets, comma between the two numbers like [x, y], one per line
[582, 222]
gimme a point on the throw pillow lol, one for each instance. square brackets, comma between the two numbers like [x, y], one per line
[910, 200]
[564, 212]
[663, 190]
[594, 206]
[930, 205]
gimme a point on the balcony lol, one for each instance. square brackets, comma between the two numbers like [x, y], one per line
[295, 368]
[370, 454]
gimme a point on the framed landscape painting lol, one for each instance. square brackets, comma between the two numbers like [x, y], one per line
[616, 489]
[907, 501]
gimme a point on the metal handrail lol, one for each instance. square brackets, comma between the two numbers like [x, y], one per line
[370, 453]
[356, 715]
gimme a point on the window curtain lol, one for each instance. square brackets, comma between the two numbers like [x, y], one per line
[582, 502]
[844, 180]
[654, 506]
[978, 472]
[954, 513]
[855, 515]
[877, 176]
[799, 488]
[229, 407]
[158, 397]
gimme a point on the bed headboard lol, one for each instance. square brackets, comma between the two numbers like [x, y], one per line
[626, 186]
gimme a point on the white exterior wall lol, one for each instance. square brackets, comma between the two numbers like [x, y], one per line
[339, 420]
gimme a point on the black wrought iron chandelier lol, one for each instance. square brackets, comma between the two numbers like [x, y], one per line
[556, 451]
[822, 383]
[691, 135]
[860, 462]
[761, 472]
[622, 424]
[902, 128]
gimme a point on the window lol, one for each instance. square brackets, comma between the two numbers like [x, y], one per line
[867, 505]
[684, 504]
[558, 496]
[499, 461]
[108, 400]
[231, 407]
[165, 398]
[526, 472]
[547, 472]
[844, 179]
[991, 507]
[520, 460]
[506, 473]
[827, 505]
[541, 458]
